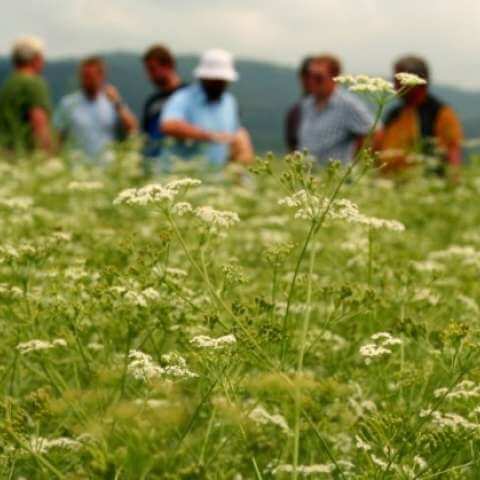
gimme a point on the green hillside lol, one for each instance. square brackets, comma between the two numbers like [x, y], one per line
[264, 91]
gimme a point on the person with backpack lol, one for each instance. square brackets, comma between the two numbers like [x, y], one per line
[420, 126]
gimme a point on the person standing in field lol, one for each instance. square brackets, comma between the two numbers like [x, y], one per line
[160, 66]
[334, 122]
[203, 118]
[91, 119]
[420, 124]
[25, 105]
[293, 117]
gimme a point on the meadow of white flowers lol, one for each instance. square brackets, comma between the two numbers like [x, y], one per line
[286, 323]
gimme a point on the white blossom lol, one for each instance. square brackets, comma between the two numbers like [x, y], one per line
[216, 218]
[142, 367]
[366, 84]
[39, 345]
[204, 341]
[163, 195]
[305, 470]
[16, 203]
[85, 186]
[409, 79]
[43, 445]
[182, 208]
[379, 347]
[261, 416]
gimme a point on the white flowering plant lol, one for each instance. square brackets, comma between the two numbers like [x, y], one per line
[290, 326]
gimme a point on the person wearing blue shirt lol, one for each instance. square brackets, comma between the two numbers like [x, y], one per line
[93, 118]
[203, 119]
[334, 122]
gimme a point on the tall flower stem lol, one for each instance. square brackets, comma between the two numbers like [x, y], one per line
[301, 354]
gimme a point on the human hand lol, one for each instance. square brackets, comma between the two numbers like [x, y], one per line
[220, 137]
[112, 94]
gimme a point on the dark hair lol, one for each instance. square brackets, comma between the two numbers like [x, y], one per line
[160, 54]
[413, 64]
[93, 61]
[334, 64]
[303, 69]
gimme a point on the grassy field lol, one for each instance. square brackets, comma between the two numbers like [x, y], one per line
[251, 326]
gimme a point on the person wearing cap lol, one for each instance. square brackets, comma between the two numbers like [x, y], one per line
[203, 118]
[420, 126]
[25, 105]
[94, 117]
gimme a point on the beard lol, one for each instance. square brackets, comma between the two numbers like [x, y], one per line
[214, 89]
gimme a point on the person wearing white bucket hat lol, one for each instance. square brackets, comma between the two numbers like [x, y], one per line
[203, 118]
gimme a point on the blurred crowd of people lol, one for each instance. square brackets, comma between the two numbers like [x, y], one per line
[201, 119]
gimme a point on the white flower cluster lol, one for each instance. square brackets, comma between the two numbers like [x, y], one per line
[464, 390]
[261, 416]
[182, 208]
[16, 203]
[139, 298]
[344, 209]
[426, 295]
[314, 470]
[142, 367]
[362, 444]
[451, 421]
[10, 291]
[151, 403]
[43, 445]
[39, 345]
[158, 194]
[410, 79]
[379, 347]
[216, 218]
[366, 84]
[428, 266]
[204, 341]
[310, 206]
[7, 252]
[466, 254]
[85, 186]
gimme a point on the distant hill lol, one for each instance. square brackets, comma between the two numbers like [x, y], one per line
[264, 91]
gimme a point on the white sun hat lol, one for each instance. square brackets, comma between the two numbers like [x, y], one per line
[216, 64]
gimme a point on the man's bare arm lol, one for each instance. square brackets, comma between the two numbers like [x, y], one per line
[127, 118]
[42, 133]
[186, 131]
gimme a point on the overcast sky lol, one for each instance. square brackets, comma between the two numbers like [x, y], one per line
[367, 34]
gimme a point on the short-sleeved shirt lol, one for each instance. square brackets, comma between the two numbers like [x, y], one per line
[430, 129]
[331, 131]
[152, 112]
[89, 125]
[19, 95]
[191, 105]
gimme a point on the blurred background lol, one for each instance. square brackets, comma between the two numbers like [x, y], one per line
[268, 37]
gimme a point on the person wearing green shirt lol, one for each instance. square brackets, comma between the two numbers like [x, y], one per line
[25, 105]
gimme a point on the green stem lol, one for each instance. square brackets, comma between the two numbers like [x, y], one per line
[301, 354]
[370, 255]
